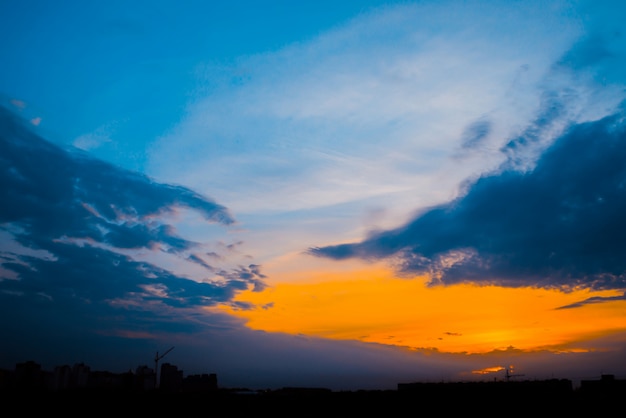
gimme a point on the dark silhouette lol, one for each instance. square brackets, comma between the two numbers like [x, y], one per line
[60, 390]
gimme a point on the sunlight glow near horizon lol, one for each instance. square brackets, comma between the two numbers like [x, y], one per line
[369, 304]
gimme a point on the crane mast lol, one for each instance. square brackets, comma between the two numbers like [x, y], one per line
[158, 357]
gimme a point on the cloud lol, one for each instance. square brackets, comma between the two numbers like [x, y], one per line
[369, 110]
[198, 259]
[20, 104]
[76, 233]
[548, 214]
[92, 140]
[595, 299]
[245, 276]
[390, 111]
[475, 133]
[57, 192]
[559, 224]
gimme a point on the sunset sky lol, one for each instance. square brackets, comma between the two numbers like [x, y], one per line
[340, 194]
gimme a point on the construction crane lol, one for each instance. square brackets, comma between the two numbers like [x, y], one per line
[509, 375]
[158, 357]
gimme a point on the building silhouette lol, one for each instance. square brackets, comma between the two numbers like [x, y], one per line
[171, 379]
[145, 378]
[606, 387]
[62, 378]
[30, 377]
[114, 391]
[200, 382]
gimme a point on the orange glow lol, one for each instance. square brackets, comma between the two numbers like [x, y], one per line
[489, 370]
[367, 303]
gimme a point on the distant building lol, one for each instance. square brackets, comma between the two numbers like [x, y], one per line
[61, 378]
[80, 375]
[551, 388]
[171, 379]
[29, 376]
[200, 382]
[606, 386]
[145, 378]
[108, 380]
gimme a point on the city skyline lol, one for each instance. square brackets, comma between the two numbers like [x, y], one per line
[60, 389]
[73, 376]
[343, 195]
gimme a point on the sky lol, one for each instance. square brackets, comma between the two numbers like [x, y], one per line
[347, 195]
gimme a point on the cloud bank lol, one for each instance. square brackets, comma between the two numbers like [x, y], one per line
[558, 224]
[75, 237]
[548, 212]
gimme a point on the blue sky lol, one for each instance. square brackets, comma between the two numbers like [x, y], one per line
[151, 53]
[161, 158]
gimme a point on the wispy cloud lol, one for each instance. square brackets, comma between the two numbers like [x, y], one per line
[20, 104]
[95, 139]
[370, 110]
[595, 299]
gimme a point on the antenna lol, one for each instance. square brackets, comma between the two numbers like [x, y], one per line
[156, 366]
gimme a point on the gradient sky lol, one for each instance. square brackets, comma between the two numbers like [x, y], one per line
[346, 194]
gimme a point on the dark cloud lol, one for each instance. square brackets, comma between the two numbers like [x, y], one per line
[68, 224]
[595, 299]
[54, 193]
[194, 258]
[245, 276]
[560, 224]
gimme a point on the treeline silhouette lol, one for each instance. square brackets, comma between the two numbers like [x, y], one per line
[143, 391]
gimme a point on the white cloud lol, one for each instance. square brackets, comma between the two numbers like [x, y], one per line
[95, 139]
[371, 114]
